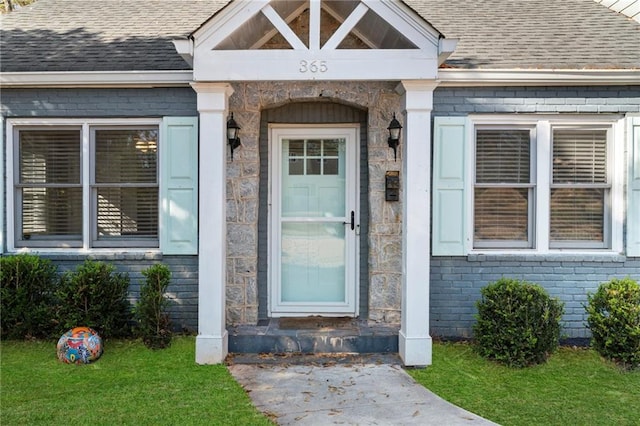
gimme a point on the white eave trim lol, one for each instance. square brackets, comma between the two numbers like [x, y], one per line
[184, 47]
[90, 79]
[450, 77]
[447, 77]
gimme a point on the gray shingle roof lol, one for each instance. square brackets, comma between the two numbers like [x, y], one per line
[99, 35]
[120, 35]
[549, 34]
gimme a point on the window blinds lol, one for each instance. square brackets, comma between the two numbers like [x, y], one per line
[503, 156]
[126, 182]
[579, 156]
[503, 186]
[50, 184]
[580, 185]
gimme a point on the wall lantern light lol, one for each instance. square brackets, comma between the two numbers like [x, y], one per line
[232, 134]
[394, 135]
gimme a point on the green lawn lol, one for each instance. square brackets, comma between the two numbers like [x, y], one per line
[130, 384]
[575, 387]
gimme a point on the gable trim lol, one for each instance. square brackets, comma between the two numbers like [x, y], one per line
[213, 61]
[412, 25]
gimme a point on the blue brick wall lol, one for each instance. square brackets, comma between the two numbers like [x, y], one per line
[96, 103]
[456, 284]
[182, 291]
[122, 103]
[456, 281]
[597, 99]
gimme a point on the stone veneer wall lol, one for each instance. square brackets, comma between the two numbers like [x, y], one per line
[385, 240]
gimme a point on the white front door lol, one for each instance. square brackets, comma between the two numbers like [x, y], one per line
[314, 221]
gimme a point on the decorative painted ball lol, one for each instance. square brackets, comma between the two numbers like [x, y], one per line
[80, 345]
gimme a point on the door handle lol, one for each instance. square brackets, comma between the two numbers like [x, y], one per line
[353, 220]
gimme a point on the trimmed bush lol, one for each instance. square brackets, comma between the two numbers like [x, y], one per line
[27, 286]
[95, 295]
[614, 321]
[518, 323]
[154, 326]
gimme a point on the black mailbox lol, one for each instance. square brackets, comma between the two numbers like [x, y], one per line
[392, 186]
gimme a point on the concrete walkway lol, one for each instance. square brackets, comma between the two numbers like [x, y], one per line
[348, 394]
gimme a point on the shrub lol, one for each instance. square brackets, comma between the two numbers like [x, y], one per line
[518, 323]
[94, 295]
[614, 320]
[153, 320]
[27, 286]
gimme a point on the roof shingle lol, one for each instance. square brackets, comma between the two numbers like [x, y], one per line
[99, 35]
[534, 34]
[122, 35]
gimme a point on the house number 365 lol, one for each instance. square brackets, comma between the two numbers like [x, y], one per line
[314, 66]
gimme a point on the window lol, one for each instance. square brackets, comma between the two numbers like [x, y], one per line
[545, 184]
[125, 185]
[503, 192]
[580, 188]
[49, 187]
[313, 156]
[64, 200]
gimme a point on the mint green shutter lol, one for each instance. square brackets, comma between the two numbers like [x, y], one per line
[179, 185]
[633, 194]
[450, 152]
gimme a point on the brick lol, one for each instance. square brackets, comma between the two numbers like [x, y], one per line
[587, 108]
[609, 108]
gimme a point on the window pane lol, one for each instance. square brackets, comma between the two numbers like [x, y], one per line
[331, 148]
[49, 164]
[314, 148]
[296, 166]
[313, 166]
[126, 156]
[579, 156]
[577, 214]
[503, 156]
[296, 148]
[48, 213]
[501, 214]
[330, 166]
[313, 262]
[127, 212]
[49, 156]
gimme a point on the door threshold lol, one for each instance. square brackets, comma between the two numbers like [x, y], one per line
[316, 323]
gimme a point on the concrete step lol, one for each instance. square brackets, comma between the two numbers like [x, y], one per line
[308, 336]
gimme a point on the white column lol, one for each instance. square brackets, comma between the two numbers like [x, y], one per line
[414, 340]
[212, 340]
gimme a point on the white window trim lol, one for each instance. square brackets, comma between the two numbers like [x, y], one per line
[85, 124]
[543, 124]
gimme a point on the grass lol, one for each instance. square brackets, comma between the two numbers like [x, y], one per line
[574, 387]
[130, 384]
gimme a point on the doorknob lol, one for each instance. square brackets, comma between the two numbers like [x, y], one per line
[353, 221]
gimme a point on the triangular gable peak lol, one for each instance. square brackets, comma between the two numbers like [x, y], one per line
[315, 40]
